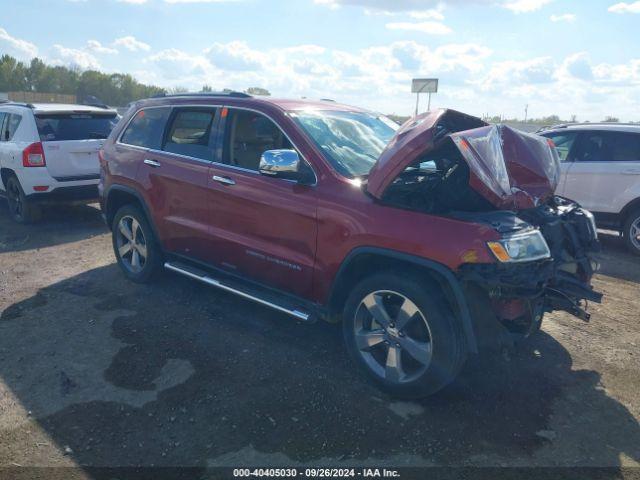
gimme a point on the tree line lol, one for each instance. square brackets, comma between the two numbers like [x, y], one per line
[116, 89]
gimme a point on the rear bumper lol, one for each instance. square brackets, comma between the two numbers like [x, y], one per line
[71, 194]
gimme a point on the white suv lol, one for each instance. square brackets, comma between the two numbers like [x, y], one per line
[601, 171]
[49, 154]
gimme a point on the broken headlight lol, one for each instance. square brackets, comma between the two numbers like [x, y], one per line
[521, 247]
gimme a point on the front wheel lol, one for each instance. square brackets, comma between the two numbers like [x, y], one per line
[134, 245]
[631, 232]
[402, 334]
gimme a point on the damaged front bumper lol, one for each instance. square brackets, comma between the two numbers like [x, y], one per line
[510, 299]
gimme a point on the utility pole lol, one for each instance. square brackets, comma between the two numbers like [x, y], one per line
[526, 112]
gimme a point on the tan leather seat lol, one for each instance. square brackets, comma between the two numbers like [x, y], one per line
[251, 136]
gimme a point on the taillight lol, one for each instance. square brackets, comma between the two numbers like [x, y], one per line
[33, 156]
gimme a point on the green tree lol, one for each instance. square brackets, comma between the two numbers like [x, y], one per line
[117, 89]
[258, 91]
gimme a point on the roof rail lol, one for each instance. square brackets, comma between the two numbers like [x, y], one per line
[16, 104]
[586, 124]
[204, 94]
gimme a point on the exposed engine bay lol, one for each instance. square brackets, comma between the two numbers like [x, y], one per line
[506, 180]
[437, 183]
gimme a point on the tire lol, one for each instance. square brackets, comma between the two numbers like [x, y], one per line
[631, 232]
[20, 208]
[432, 334]
[135, 246]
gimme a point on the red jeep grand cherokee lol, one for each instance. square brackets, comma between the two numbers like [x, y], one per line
[429, 242]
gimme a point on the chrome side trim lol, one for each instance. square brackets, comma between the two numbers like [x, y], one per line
[153, 163]
[216, 283]
[225, 180]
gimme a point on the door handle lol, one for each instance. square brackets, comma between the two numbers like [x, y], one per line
[152, 163]
[224, 180]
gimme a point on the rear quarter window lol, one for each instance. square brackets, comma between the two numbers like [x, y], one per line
[74, 126]
[9, 123]
[147, 128]
[609, 146]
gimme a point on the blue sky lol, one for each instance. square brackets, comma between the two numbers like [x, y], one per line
[568, 57]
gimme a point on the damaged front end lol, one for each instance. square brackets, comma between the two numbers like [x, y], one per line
[509, 298]
[451, 164]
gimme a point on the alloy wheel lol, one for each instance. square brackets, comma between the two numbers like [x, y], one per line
[634, 233]
[393, 336]
[131, 244]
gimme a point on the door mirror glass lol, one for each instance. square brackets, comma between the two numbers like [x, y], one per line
[280, 163]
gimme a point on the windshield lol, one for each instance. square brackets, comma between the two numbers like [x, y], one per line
[352, 141]
[56, 127]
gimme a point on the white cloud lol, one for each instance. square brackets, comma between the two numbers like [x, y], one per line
[516, 6]
[525, 6]
[624, 7]
[432, 28]
[16, 47]
[392, 5]
[565, 17]
[201, 1]
[74, 58]
[235, 56]
[470, 79]
[576, 66]
[176, 64]
[131, 43]
[97, 47]
[135, 2]
[430, 14]
[510, 73]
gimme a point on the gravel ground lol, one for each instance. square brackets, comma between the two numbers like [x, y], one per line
[98, 371]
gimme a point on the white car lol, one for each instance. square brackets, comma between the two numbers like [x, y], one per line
[601, 171]
[49, 154]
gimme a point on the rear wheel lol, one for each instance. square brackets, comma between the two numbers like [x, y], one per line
[20, 209]
[631, 232]
[398, 329]
[134, 245]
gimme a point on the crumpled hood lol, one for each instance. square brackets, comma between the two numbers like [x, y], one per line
[509, 168]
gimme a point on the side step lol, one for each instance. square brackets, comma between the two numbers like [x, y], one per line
[191, 272]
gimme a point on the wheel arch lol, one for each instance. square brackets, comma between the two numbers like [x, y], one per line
[5, 173]
[364, 261]
[120, 195]
[632, 206]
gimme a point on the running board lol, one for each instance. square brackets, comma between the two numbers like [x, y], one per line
[203, 277]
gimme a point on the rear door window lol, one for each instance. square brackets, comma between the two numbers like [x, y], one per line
[609, 147]
[74, 126]
[189, 133]
[147, 128]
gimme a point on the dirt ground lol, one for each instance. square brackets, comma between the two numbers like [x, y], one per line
[98, 371]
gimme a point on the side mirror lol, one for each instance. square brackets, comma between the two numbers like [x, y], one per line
[280, 163]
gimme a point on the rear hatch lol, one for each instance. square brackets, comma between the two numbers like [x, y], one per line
[71, 141]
